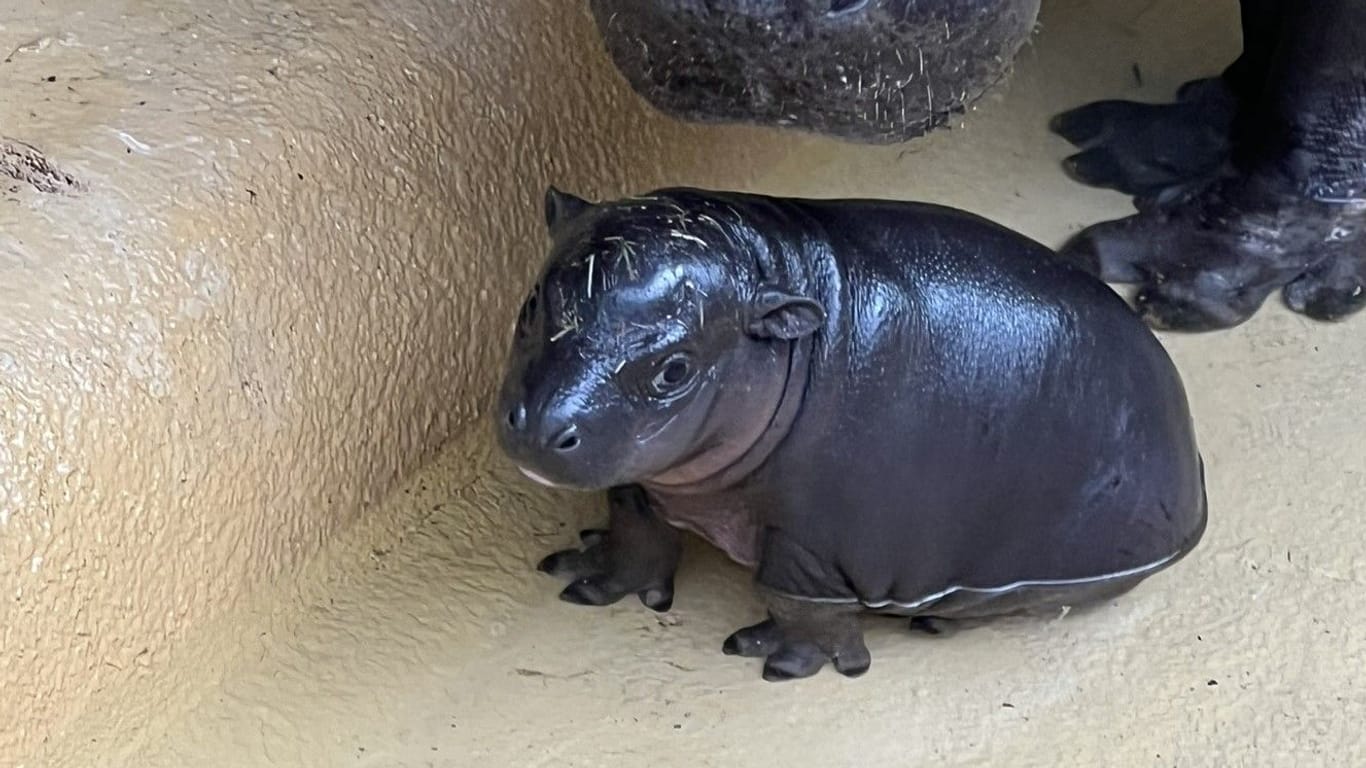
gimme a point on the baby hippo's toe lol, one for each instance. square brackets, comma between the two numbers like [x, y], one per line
[801, 640]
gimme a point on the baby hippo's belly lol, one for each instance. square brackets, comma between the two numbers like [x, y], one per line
[724, 520]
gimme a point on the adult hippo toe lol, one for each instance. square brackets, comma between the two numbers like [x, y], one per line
[878, 406]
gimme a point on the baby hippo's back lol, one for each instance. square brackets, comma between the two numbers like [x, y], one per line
[986, 428]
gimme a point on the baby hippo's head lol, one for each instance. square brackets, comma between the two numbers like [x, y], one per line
[649, 345]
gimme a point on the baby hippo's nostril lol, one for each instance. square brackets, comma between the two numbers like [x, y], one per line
[566, 439]
[517, 418]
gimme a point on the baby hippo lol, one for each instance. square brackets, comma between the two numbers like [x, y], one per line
[877, 406]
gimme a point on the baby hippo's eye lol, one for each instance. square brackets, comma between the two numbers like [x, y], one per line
[672, 374]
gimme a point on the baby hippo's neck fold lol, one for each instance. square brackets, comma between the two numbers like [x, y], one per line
[749, 429]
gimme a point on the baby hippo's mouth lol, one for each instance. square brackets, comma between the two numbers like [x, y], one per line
[538, 479]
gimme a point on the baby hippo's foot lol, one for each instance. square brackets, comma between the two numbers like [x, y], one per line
[1209, 261]
[800, 637]
[638, 555]
[1147, 149]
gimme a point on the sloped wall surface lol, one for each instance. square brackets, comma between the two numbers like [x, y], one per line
[253, 257]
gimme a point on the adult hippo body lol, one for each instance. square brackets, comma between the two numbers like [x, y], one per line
[881, 406]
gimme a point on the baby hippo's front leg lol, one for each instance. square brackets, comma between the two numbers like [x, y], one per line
[800, 636]
[638, 553]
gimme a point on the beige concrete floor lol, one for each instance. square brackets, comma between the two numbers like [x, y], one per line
[424, 637]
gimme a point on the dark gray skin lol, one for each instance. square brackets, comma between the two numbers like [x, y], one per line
[878, 406]
[1252, 182]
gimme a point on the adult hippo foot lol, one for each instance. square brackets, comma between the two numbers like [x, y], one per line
[1253, 182]
[1210, 260]
[1332, 290]
[638, 554]
[800, 637]
[1150, 150]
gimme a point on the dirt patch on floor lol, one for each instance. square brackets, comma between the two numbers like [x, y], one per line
[25, 164]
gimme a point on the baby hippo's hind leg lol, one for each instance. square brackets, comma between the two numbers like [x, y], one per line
[935, 626]
[638, 554]
[800, 636]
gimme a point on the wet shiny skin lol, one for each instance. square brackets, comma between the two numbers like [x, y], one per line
[892, 405]
[612, 322]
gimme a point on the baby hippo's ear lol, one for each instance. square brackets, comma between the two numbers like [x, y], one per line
[777, 314]
[561, 207]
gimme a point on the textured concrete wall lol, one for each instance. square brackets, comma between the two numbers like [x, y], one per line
[255, 259]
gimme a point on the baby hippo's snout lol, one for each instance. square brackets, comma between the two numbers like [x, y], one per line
[564, 440]
[543, 442]
[558, 435]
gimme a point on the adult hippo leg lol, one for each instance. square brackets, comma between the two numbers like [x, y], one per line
[1287, 209]
[800, 636]
[1155, 150]
[637, 554]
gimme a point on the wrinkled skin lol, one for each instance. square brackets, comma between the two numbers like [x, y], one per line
[877, 406]
[1250, 183]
